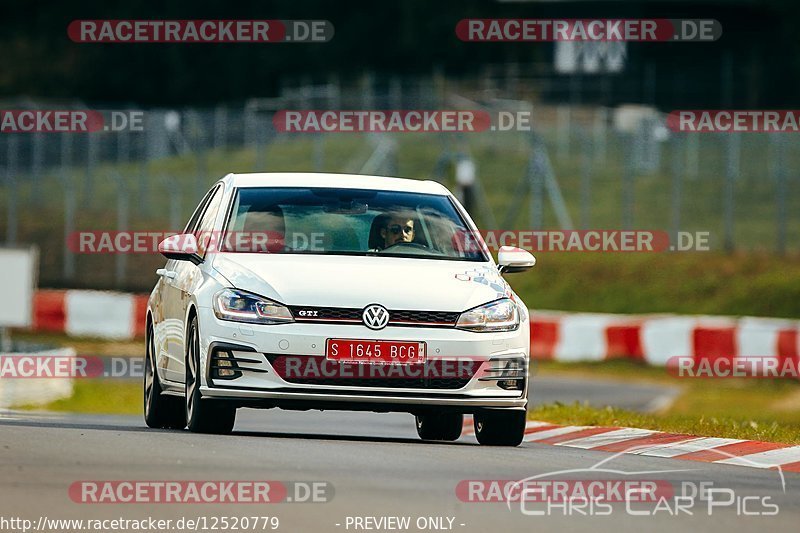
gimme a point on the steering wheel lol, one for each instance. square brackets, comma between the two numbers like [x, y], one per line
[408, 244]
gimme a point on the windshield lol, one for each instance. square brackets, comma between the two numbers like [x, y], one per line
[303, 220]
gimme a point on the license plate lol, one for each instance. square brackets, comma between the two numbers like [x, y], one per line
[365, 351]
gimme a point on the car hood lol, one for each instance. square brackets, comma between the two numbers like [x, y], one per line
[348, 281]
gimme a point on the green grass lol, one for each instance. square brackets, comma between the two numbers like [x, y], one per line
[706, 425]
[758, 409]
[689, 283]
[95, 396]
[83, 345]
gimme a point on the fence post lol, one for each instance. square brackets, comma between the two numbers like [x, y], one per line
[395, 93]
[122, 225]
[586, 181]
[175, 204]
[563, 123]
[334, 92]
[69, 204]
[13, 190]
[599, 134]
[250, 136]
[220, 127]
[319, 152]
[677, 183]
[536, 199]
[69, 227]
[630, 152]
[731, 175]
[36, 166]
[201, 155]
[780, 194]
[692, 157]
[261, 141]
[123, 146]
[368, 91]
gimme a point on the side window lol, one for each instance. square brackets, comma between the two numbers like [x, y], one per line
[192, 224]
[205, 227]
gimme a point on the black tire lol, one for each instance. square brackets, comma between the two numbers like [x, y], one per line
[440, 426]
[500, 428]
[203, 415]
[159, 411]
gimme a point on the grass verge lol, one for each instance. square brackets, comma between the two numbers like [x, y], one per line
[685, 283]
[98, 396]
[757, 409]
[83, 345]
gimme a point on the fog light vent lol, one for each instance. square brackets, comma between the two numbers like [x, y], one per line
[508, 373]
[223, 366]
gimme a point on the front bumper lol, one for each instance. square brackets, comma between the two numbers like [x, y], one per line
[259, 385]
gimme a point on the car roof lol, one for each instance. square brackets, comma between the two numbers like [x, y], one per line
[344, 181]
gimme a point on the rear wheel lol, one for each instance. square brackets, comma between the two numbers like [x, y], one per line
[440, 426]
[500, 428]
[203, 416]
[159, 411]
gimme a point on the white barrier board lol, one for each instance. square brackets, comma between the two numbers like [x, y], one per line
[18, 274]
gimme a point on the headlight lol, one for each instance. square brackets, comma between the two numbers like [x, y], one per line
[240, 306]
[500, 315]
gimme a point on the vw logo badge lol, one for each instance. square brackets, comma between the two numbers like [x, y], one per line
[375, 316]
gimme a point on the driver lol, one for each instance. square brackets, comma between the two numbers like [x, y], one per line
[397, 229]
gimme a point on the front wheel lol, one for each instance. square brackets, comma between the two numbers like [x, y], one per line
[500, 428]
[159, 411]
[203, 416]
[440, 426]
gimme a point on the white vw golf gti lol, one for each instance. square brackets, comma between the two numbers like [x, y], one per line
[327, 291]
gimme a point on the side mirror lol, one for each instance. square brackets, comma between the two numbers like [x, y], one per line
[511, 259]
[182, 247]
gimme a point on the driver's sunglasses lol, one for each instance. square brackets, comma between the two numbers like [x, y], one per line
[396, 229]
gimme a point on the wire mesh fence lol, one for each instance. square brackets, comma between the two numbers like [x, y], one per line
[578, 167]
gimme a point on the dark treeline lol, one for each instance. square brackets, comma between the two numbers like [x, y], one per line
[385, 37]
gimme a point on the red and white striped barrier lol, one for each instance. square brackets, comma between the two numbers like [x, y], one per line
[654, 339]
[755, 454]
[554, 335]
[80, 313]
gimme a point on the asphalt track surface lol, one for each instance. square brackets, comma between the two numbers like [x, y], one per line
[375, 463]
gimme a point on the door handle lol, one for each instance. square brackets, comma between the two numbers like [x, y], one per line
[171, 274]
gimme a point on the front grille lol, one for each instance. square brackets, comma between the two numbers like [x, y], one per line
[314, 370]
[439, 317]
[325, 313]
[346, 315]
